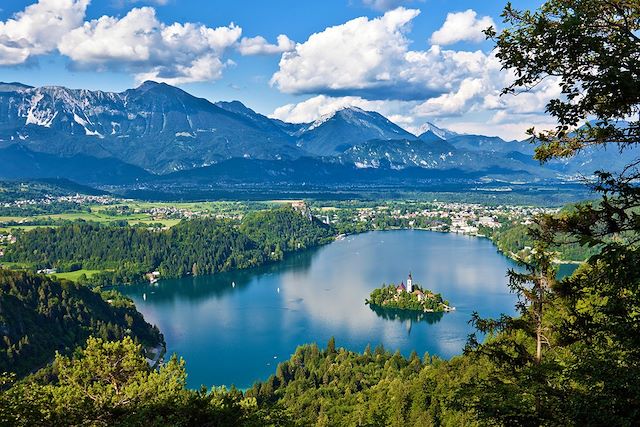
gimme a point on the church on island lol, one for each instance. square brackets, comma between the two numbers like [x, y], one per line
[409, 289]
[408, 297]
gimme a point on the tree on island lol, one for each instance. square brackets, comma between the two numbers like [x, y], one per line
[396, 297]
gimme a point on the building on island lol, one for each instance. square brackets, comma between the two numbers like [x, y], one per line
[408, 288]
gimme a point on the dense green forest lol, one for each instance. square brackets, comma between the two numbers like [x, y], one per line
[198, 246]
[514, 240]
[39, 316]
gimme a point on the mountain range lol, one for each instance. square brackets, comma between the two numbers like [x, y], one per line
[160, 133]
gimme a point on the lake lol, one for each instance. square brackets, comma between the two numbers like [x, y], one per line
[234, 328]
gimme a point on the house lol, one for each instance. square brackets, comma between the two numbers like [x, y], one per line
[419, 294]
[153, 277]
[400, 289]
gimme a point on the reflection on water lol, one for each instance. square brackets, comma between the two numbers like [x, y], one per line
[406, 316]
[238, 334]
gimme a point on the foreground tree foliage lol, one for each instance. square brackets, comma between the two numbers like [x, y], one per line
[573, 356]
[110, 383]
[590, 47]
[375, 388]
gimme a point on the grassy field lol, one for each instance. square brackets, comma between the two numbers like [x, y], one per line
[15, 265]
[138, 213]
[74, 275]
[94, 216]
[7, 229]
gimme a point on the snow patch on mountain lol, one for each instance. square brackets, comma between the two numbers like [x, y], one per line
[439, 132]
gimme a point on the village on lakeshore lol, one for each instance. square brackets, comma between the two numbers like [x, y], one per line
[408, 297]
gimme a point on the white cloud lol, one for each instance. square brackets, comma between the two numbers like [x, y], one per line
[260, 46]
[312, 108]
[507, 131]
[37, 29]
[370, 58]
[462, 26]
[365, 57]
[452, 103]
[140, 43]
[529, 102]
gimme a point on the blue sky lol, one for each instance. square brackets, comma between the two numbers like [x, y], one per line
[414, 60]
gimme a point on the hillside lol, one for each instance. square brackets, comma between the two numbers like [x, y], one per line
[192, 247]
[39, 316]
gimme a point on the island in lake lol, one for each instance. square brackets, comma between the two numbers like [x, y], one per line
[409, 297]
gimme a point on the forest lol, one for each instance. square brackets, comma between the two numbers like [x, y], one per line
[193, 247]
[40, 316]
[515, 241]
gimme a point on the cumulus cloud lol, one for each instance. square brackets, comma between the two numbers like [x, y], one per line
[454, 102]
[371, 58]
[312, 108]
[140, 43]
[529, 102]
[507, 131]
[462, 26]
[37, 29]
[363, 57]
[260, 46]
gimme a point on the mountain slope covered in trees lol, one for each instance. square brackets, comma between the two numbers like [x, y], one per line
[39, 316]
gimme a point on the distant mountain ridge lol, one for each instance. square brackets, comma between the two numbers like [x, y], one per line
[156, 129]
[155, 126]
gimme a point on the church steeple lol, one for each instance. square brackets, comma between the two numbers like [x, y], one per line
[410, 283]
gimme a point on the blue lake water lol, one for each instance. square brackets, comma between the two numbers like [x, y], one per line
[238, 334]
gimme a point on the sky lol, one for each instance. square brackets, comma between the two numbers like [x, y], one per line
[414, 61]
